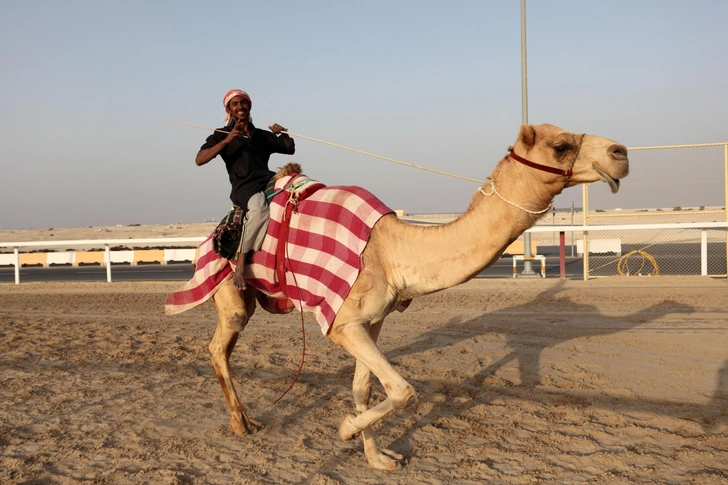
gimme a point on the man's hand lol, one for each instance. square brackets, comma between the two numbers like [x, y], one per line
[277, 129]
[240, 130]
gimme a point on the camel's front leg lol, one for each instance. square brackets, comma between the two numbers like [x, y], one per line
[234, 309]
[362, 391]
[355, 338]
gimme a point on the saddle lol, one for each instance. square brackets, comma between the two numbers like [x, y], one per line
[227, 234]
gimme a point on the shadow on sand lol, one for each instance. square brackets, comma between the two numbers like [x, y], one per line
[528, 344]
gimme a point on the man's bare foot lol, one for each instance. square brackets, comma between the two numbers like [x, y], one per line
[239, 278]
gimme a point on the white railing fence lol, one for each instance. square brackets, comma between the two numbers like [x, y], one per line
[95, 243]
[686, 243]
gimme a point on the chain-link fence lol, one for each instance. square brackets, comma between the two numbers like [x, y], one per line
[675, 251]
[680, 184]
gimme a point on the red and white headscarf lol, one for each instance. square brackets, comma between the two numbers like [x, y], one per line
[230, 95]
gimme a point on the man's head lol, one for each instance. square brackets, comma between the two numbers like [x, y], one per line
[237, 105]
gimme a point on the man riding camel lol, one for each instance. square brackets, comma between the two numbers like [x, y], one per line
[246, 150]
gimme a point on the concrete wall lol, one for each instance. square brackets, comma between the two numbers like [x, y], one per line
[76, 258]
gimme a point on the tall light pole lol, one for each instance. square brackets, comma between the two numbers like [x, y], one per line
[524, 68]
[527, 264]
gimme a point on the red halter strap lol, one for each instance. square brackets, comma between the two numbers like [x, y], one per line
[545, 168]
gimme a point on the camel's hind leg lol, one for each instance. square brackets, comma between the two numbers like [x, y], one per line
[234, 309]
[360, 340]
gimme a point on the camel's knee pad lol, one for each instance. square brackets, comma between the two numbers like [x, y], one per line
[238, 321]
[405, 397]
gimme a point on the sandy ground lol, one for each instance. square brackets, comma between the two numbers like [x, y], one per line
[611, 381]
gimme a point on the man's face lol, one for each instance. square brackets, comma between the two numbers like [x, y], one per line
[239, 108]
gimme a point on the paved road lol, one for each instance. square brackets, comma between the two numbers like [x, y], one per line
[151, 272]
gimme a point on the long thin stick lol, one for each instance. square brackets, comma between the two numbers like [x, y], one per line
[345, 148]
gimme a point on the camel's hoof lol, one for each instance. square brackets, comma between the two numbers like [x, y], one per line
[243, 425]
[386, 460]
[347, 430]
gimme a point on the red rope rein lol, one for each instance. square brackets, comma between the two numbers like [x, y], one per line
[303, 335]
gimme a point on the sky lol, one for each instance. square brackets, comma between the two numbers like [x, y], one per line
[88, 88]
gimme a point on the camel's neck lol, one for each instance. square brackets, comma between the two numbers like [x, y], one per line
[428, 259]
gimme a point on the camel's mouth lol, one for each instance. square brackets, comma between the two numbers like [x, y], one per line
[613, 183]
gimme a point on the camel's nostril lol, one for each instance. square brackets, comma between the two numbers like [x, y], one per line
[619, 152]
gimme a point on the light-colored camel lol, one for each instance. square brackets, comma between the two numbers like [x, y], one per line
[404, 261]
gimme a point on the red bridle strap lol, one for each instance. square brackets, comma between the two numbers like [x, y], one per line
[545, 168]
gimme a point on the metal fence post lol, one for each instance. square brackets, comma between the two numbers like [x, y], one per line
[725, 186]
[17, 266]
[562, 254]
[585, 234]
[107, 260]
[704, 252]
[572, 232]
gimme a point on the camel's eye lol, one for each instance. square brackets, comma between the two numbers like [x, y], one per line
[561, 149]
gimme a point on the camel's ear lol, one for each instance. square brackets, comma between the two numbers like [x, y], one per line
[527, 136]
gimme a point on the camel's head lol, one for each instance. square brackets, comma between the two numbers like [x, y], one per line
[590, 158]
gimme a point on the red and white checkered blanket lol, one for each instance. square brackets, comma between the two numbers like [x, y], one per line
[327, 235]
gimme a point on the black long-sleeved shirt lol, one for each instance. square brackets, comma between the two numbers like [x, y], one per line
[246, 160]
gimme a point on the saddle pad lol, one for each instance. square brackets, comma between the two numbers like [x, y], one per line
[211, 271]
[327, 235]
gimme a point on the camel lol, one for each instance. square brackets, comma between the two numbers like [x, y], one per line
[403, 261]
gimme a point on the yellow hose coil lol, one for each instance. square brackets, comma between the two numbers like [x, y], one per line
[623, 264]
